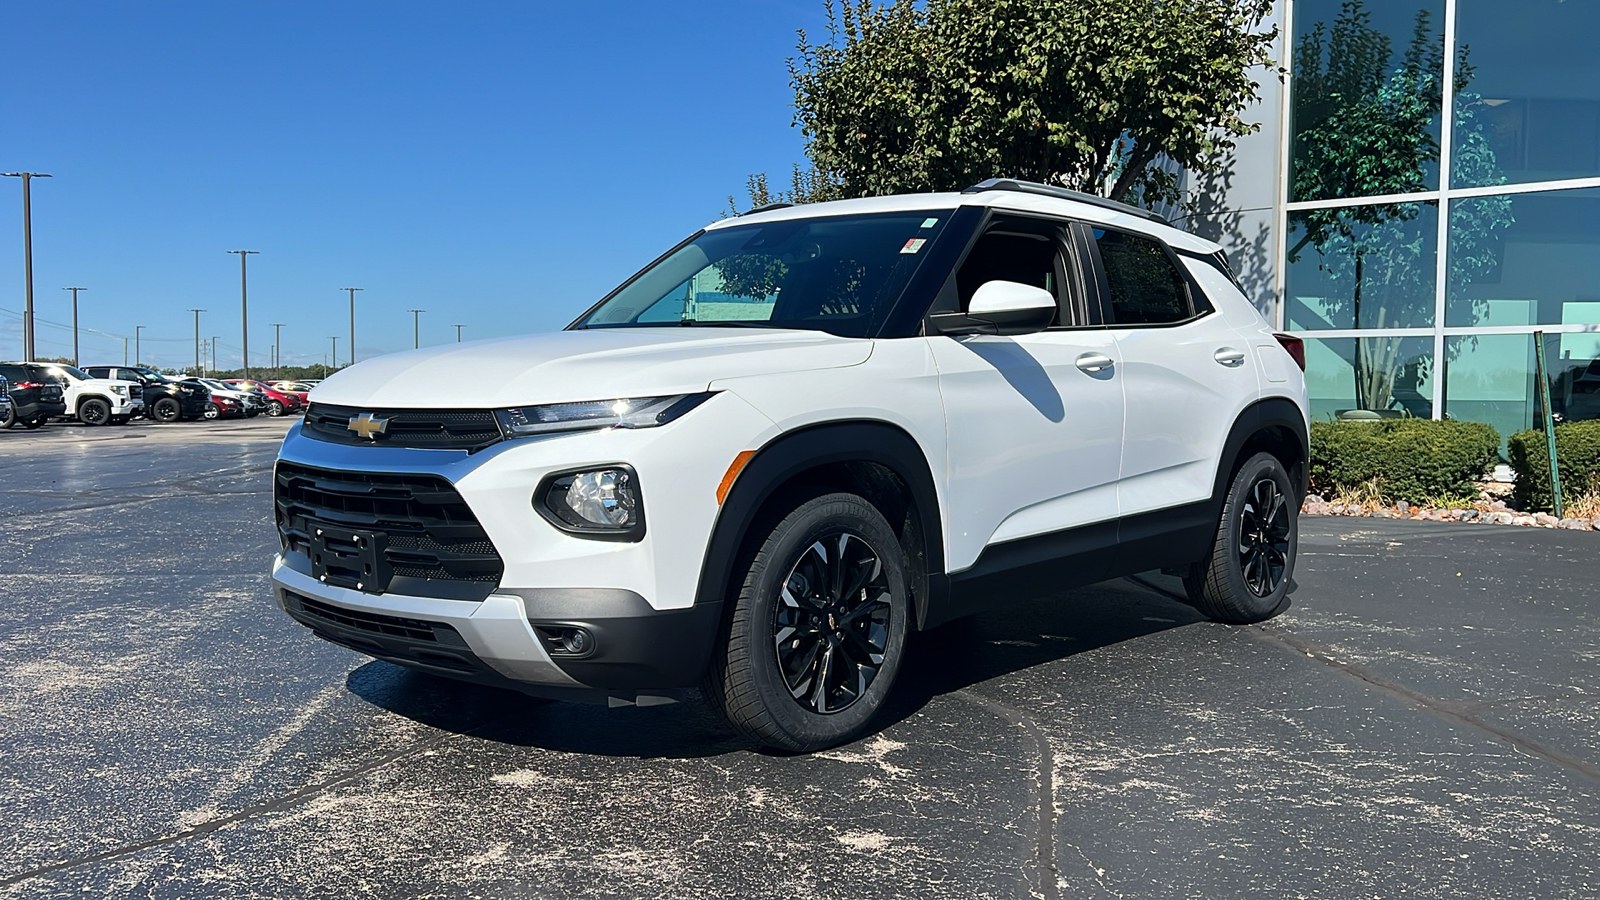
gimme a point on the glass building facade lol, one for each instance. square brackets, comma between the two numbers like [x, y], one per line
[1437, 205]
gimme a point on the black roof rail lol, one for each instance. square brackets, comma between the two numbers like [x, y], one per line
[767, 208]
[1034, 187]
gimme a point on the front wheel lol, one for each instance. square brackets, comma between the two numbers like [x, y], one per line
[94, 412]
[818, 628]
[1247, 576]
[166, 410]
[211, 411]
[275, 409]
[9, 417]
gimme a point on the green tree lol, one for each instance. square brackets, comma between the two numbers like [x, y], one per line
[1365, 128]
[1102, 96]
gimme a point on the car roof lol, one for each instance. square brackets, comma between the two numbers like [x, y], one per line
[1093, 211]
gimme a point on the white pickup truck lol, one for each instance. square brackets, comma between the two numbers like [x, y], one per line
[96, 401]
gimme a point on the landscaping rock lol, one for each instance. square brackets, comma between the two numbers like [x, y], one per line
[1383, 514]
[1522, 520]
[1545, 520]
[1499, 506]
[1403, 508]
[1574, 524]
[1502, 518]
[1469, 515]
[1595, 523]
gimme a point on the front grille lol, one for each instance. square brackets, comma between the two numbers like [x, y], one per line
[136, 391]
[436, 429]
[429, 531]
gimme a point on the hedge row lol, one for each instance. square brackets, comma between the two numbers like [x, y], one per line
[1416, 460]
[1578, 453]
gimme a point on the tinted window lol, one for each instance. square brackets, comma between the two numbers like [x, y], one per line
[1006, 255]
[1145, 284]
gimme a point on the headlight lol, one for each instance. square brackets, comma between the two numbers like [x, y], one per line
[633, 412]
[120, 389]
[601, 502]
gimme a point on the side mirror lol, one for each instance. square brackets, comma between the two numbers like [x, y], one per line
[1001, 307]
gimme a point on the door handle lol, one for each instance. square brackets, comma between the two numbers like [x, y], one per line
[1094, 362]
[1229, 357]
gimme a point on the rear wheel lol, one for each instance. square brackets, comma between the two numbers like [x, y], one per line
[9, 417]
[818, 628]
[94, 412]
[1246, 578]
[166, 410]
[33, 423]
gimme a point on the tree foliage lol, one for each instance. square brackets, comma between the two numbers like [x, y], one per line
[1102, 96]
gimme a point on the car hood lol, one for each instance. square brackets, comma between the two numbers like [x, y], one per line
[596, 364]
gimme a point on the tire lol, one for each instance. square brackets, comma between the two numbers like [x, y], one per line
[795, 672]
[94, 412]
[10, 417]
[33, 423]
[275, 409]
[166, 410]
[211, 411]
[1247, 576]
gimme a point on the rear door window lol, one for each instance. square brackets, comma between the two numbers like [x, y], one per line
[1143, 283]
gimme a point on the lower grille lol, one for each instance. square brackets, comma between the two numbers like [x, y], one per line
[375, 623]
[425, 533]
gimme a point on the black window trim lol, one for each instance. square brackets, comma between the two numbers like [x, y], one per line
[1200, 305]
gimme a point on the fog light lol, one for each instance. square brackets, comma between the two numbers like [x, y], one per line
[577, 641]
[603, 497]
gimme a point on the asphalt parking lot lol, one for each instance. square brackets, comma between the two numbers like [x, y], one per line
[1423, 722]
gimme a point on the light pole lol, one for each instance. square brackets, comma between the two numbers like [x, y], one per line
[75, 291]
[458, 334]
[352, 321]
[27, 257]
[214, 352]
[415, 333]
[197, 367]
[244, 306]
[136, 330]
[124, 351]
[277, 343]
[335, 339]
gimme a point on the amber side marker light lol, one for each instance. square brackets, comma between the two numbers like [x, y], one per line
[734, 469]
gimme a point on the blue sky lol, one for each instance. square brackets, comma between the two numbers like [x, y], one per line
[500, 165]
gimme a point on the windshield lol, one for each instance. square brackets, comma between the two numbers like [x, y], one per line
[839, 274]
[75, 372]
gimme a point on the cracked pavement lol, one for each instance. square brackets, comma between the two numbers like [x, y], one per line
[1422, 722]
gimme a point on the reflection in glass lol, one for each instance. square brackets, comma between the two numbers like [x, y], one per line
[1525, 259]
[1532, 104]
[1362, 267]
[1389, 376]
[1365, 120]
[1492, 378]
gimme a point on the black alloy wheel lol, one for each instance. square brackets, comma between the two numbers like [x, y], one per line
[1249, 572]
[831, 632]
[1264, 537]
[166, 410]
[817, 628]
[94, 412]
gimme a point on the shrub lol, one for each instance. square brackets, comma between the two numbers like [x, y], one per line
[1577, 449]
[1409, 459]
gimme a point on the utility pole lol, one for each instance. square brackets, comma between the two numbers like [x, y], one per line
[352, 321]
[75, 291]
[277, 344]
[458, 334]
[27, 257]
[244, 306]
[136, 351]
[214, 353]
[415, 333]
[335, 339]
[197, 368]
[124, 351]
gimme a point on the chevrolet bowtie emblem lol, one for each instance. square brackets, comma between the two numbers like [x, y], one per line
[368, 427]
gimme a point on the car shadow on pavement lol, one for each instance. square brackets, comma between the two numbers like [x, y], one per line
[954, 656]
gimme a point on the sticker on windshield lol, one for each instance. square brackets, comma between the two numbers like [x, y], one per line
[913, 245]
[929, 223]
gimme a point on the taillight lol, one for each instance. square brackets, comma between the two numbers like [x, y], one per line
[1295, 346]
[25, 385]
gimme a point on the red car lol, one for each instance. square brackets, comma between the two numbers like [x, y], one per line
[298, 388]
[223, 408]
[278, 402]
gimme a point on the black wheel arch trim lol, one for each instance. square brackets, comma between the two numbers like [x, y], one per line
[792, 453]
[1263, 415]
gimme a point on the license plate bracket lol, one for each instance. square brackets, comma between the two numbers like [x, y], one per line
[348, 558]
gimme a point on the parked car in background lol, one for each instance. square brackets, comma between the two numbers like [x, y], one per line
[278, 402]
[96, 401]
[35, 396]
[165, 399]
[220, 407]
[5, 400]
[249, 401]
[301, 389]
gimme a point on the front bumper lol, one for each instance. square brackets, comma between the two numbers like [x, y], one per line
[639, 655]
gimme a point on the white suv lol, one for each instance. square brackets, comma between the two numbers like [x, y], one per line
[797, 436]
[97, 401]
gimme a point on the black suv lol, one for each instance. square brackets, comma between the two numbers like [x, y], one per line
[35, 396]
[165, 400]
